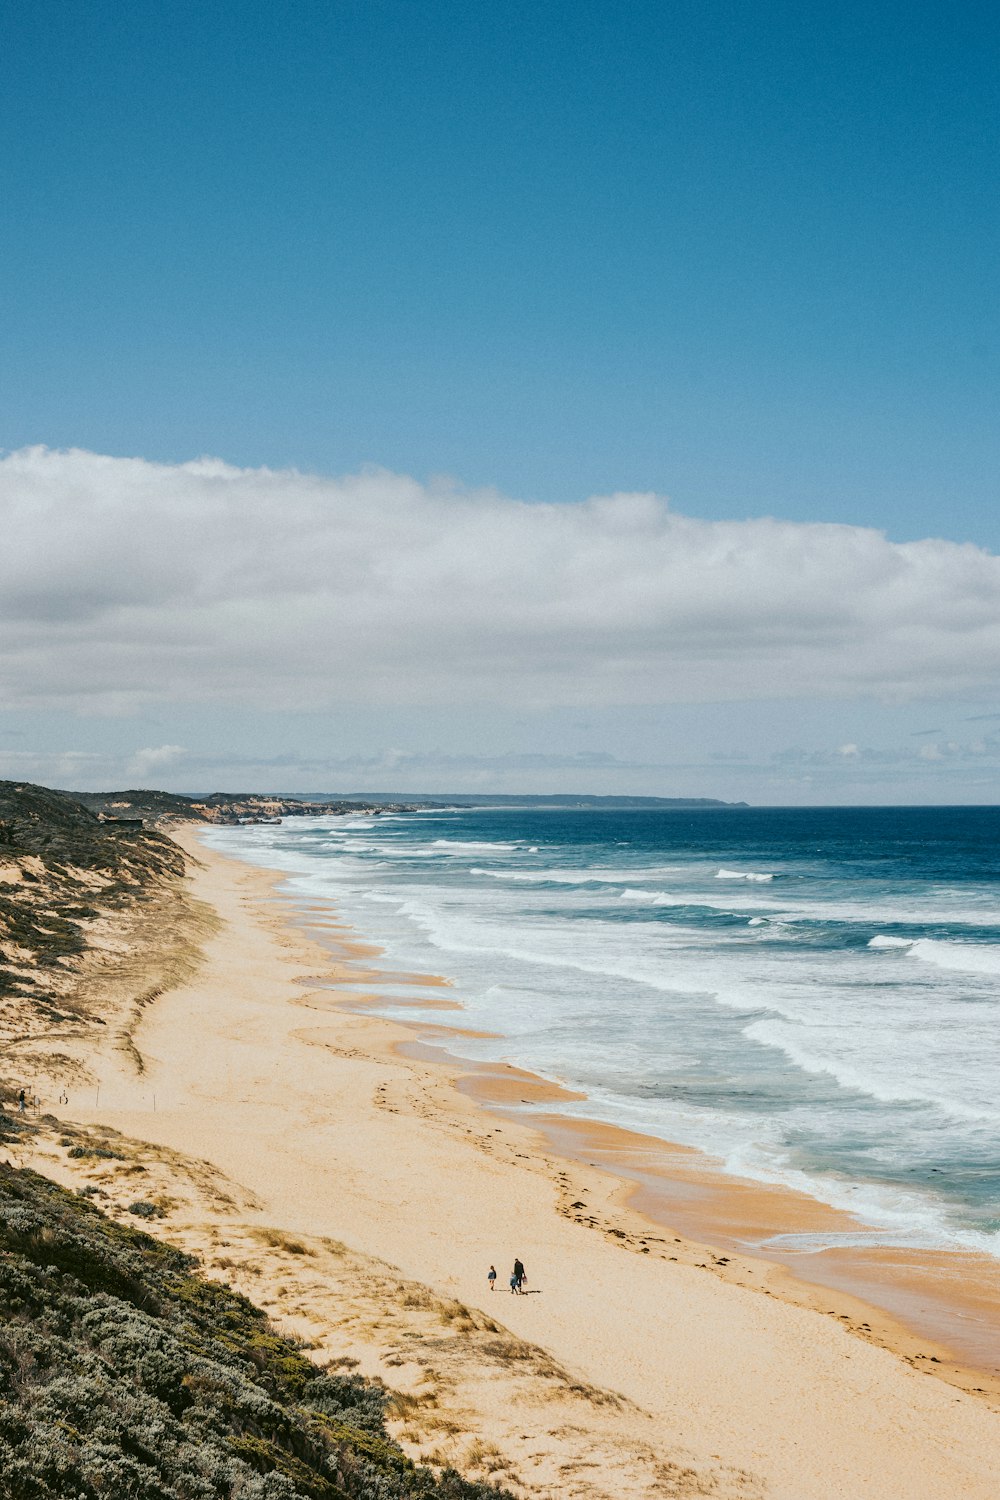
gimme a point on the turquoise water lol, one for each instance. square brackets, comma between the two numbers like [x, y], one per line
[810, 995]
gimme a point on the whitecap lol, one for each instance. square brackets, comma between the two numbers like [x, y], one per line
[593, 876]
[474, 844]
[741, 875]
[971, 958]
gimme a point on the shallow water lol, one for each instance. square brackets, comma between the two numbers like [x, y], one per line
[810, 995]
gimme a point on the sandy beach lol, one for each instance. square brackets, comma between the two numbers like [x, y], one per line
[358, 1182]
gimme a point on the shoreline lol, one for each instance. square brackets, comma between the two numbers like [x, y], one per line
[948, 1300]
[308, 1159]
[936, 1309]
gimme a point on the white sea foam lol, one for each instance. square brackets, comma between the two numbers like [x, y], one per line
[609, 953]
[592, 876]
[855, 1239]
[750, 875]
[895, 1216]
[693, 899]
[868, 912]
[968, 958]
[474, 844]
[406, 852]
[880, 941]
[887, 1214]
[904, 1078]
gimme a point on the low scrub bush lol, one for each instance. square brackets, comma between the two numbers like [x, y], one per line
[144, 1210]
[124, 1373]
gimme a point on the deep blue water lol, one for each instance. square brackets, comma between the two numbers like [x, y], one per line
[811, 995]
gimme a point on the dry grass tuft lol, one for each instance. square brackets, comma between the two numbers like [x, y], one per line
[280, 1239]
[416, 1296]
[508, 1351]
[486, 1458]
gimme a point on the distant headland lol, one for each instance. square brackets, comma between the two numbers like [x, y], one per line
[255, 807]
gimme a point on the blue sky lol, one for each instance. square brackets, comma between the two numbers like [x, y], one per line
[742, 258]
[745, 256]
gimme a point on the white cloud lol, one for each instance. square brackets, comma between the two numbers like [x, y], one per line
[155, 758]
[124, 582]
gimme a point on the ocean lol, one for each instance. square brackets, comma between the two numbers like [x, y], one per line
[811, 996]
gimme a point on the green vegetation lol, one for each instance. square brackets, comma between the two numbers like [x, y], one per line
[123, 1372]
[70, 866]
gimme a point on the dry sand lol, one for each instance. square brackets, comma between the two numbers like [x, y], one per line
[328, 1164]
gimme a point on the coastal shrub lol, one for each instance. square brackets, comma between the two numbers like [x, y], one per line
[124, 1373]
[144, 1210]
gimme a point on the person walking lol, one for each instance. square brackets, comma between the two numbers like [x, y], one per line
[519, 1274]
[492, 1278]
[21, 1102]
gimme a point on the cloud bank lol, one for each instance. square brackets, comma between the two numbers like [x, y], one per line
[125, 583]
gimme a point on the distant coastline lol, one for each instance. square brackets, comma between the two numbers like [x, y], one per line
[551, 799]
[143, 806]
